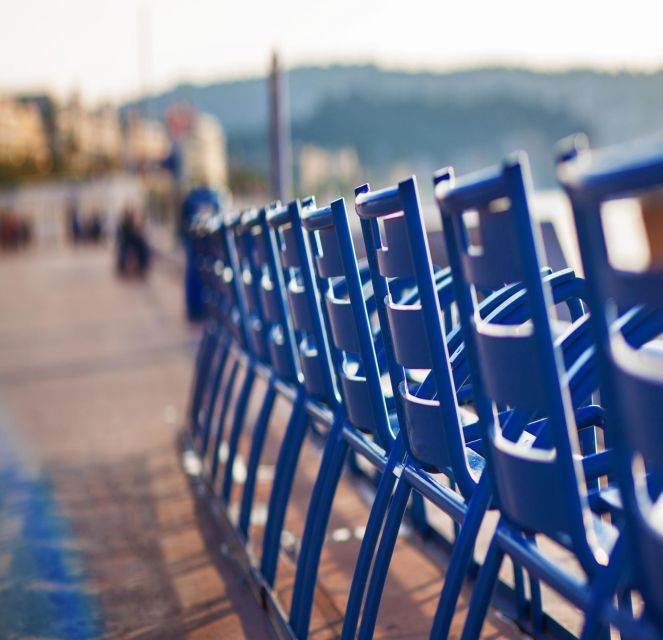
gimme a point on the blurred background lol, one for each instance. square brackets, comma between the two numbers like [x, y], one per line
[115, 107]
[111, 113]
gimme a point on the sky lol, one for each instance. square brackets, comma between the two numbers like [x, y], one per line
[118, 49]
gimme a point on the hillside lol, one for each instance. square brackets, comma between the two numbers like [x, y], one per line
[467, 117]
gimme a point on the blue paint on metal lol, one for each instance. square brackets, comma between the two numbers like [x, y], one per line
[290, 303]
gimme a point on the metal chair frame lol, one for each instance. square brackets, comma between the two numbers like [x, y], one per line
[631, 373]
[521, 473]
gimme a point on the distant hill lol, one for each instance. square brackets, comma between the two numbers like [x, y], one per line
[467, 118]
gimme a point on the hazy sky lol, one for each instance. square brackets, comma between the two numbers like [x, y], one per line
[114, 48]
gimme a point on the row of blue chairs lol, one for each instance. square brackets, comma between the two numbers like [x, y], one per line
[454, 388]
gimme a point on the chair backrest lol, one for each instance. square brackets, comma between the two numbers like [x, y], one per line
[223, 265]
[249, 277]
[633, 373]
[198, 234]
[304, 301]
[280, 337]
[515, 367]
[348, 325]
[412, 329]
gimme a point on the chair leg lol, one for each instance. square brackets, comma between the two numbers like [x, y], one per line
[370, 541]
[536, 607]
[625, 605]
[317, 518]
[211, 405]
[225, 404]
[257, 443]
[236, 431]
[383, 559]
[461, 557]
[204, 359]
[197, 380]
[519, 589]
[588, 445]
[353, 465]
[602, 589]
[456, 526]
[483, 591]
[284, 474]
[418, 515]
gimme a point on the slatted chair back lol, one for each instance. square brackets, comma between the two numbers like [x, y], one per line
[413, 329]
[249, 277]
[199, 236]
[347, 317]
[304, 302]
[633, 373]
[278, 327]
[538, 482]
[230, 302]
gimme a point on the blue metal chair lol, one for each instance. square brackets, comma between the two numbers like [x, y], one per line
[234, 347]
[274, 324]
[439, 436]
[213, 329]
[422, 412]
[432, 429]
[632, 370]
[310, 324]
[253, 312]
[537, 479]
[360, 368]
[343, 324]
[359, 354]
[225, 327]
[317, 328]
[270, 336]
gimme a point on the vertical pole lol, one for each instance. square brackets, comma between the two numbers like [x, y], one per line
[279, 134]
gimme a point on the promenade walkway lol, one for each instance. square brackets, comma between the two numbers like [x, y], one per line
[101, 534]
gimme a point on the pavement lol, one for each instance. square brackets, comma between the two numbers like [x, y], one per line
[101, 533]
